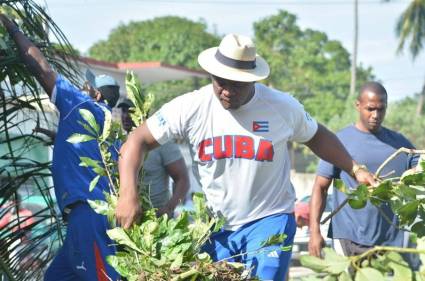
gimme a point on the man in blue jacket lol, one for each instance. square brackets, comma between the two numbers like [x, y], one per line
[82, 256]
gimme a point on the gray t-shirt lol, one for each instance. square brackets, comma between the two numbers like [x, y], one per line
[156, 177]
[367, 226]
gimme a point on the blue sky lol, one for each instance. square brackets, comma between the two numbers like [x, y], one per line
[87, 21]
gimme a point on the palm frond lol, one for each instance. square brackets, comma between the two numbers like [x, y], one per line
[410, 28]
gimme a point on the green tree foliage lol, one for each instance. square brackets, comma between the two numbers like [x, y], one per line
[411, 27]
[401, 117]
[307, 64]
[170, 39]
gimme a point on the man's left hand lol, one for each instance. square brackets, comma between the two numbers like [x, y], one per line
[165, 210]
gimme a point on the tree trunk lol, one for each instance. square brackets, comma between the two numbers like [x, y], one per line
[355, 43]
[420, 106]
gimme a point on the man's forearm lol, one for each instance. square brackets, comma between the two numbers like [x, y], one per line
[327, 146]
[317, 206]
[32, 57]
[179, 193]
[129, 164]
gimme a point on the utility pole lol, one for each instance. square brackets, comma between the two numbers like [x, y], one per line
[355, 43]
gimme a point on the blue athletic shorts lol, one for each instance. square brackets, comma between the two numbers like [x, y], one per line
[82, 256]
[270, 263]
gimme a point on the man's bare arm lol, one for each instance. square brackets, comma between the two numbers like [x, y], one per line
[132, 154]
[317, 206]
[32, 56]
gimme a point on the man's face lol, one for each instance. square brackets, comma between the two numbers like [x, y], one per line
[111, 94]
[232, 94]
[127, 122]
[371, 108]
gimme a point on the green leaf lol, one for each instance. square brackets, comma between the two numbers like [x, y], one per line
[93, 183]
[89, 118]
[344, 277]
[87, 127]
[99, 206]
[401, 272]
[286, 248]
[407, 192]
[369, 274]
[120, 236]
[420, 276]
[88, 162]
[199, 202]
[177, 263]
[339, 185]
[274, 240]
[219, 223]
[107, 125]
[408, 212]
[395, 257]
[78, 138]
[182, 221]
[151, 226]
[383, 191]
[336, 263]
[313, 263]
[237, 265]
[357, 203]
[311, 278]
[380, 264]
[94, 164]
[414, 179]
[117, 264]
[419, 228]
[204, 257]
[359, 197]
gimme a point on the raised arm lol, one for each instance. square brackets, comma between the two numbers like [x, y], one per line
[31, 55]
[132, 154]
[317, 205]
[327, 146]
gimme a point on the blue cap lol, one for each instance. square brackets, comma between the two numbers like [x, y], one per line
[100, 80]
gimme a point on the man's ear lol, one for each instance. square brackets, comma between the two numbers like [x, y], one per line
[357, 103]
[97, 95]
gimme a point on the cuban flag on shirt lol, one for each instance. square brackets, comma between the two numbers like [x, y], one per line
[260, 126]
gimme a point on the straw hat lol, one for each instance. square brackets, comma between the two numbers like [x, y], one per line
[235, 59]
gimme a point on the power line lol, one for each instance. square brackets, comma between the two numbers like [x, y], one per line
[247, 2]
[295, 3]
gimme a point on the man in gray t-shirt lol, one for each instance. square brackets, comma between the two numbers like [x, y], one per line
[161, 163]
[355, 231]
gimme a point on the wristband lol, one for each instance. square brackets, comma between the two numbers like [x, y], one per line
[356, 168]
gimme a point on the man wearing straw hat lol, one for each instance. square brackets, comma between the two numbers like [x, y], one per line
[238, 132]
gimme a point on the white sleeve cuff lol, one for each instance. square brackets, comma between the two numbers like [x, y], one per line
[53, 95]
[158, 132]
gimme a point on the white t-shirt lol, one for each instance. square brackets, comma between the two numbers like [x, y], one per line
[240, 156]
